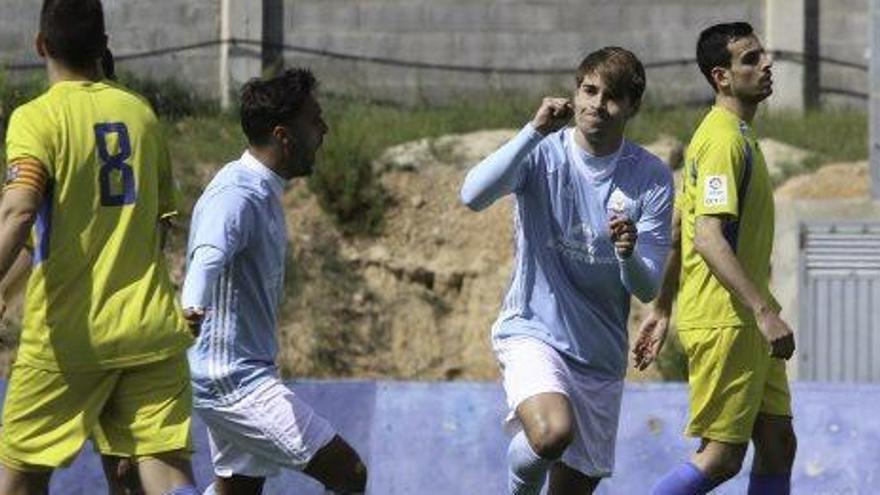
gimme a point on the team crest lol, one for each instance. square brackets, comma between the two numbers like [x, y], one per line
[619, 203]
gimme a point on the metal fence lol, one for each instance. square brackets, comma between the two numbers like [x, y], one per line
[839, 299]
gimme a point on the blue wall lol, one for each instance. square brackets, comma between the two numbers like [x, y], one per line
[446, 438]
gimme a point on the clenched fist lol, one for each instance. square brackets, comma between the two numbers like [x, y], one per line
[552, 115]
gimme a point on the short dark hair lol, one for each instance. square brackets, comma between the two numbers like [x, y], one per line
[268, 103]
[619, 69]
[74, 31]
[712, 50]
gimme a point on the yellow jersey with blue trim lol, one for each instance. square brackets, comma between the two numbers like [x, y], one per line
[725, 175]
[99, 295]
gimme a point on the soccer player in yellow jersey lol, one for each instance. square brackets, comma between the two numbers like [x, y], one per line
[102, 351]
[728, 321]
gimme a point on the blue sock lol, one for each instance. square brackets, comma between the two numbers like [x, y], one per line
[528, 471]
[770, 484]
[183, 490]
[686, 479]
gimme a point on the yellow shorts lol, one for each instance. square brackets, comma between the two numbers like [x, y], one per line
[128, 412]
[732, 378]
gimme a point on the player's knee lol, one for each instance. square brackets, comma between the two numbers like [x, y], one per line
[730, 468]
[551, 439]
[16, 482]
[725, 464]
[776, 444]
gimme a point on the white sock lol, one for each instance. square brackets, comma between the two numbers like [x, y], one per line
[527, 471]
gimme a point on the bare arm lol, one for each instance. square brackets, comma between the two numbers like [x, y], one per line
[653, 330]
[14, 282]
[710, 243]
[669, 286]
[18, 211]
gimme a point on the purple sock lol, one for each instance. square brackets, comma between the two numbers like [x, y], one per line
[770, 484]
[686, 479]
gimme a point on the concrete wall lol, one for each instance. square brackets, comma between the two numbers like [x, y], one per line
[551, 36]
[843, 31]
[18, 26]
[134, 27]
[446, 438]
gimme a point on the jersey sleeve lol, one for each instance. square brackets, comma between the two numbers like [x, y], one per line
[225, 224]
[503, 172]
[655, 222]
[30, 136]
[720, 170]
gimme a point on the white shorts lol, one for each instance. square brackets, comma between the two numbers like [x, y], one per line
[265, 430]
[530, 367]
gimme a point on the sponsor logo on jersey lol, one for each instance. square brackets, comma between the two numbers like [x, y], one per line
[715, 191]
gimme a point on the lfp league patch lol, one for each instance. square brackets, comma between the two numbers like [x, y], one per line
[715, 193]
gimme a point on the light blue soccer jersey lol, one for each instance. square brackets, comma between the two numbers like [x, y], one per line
[236, 255]
[569, 289]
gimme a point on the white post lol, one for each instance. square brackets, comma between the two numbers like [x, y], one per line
[784, 30]
[874, 116]
[244, 21]
[224, 55]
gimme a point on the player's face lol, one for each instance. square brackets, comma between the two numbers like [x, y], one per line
[308, 130]
[599, 116]
[750, 77]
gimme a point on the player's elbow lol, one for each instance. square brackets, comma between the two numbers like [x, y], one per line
[706, 246]
[471, 198]
[708, 235]
[703, 242]
[16, 218]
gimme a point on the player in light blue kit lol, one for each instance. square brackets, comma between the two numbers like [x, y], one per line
[234, 282]
[592, 220]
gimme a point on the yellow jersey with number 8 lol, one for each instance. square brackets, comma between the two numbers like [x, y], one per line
[99, 295]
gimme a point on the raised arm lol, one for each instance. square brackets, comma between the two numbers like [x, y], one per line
[502, 171]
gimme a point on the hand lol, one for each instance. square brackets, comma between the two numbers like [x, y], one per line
[623, 235]
[194, 317]
[777, 332]
[652, 336]
[552, 115]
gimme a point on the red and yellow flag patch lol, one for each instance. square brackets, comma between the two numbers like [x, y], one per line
[26, 173]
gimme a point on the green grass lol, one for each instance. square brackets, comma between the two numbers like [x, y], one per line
[835, 134]
[652, 122]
